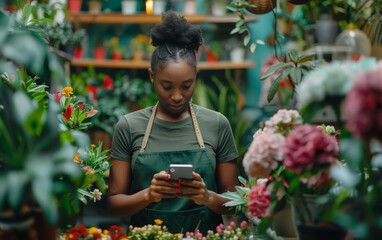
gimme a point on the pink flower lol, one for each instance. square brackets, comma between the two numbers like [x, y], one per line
[259, 200]
[57, 96]
[307, 147]
[264, 153]
[363, 105]
[284, 121]
[82, 106]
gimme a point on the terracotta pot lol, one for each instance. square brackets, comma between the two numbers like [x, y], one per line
[99, 53]
[74, 6]
[77, 52]
[94, 7]
[116, 56]
[262, 6]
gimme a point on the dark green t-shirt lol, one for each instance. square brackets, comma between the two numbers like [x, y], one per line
[174, 136]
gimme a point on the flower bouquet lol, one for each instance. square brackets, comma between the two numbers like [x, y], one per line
[286, 160]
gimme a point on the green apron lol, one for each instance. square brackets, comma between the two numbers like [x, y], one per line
[178, 214]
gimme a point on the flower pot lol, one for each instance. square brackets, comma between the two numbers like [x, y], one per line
[159, 7]
[262, 6]
[78, 52]
[319, 232]
[283, 223]
[218, 8]
[129, 7]
[189, 7]
[237, 55]
[116, 55]
[326, 30]
[99, 53]
[74, 6]
[94, 7]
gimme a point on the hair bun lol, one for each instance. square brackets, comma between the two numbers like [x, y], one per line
[175, 30]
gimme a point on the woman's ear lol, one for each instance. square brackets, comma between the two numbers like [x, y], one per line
[151, 75]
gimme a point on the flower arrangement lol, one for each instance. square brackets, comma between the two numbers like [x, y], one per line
[155, 231]
[74, 112]
[83, 233]
[286, 159]
[95, 164]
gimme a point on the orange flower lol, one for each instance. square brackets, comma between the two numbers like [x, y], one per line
[67, 91]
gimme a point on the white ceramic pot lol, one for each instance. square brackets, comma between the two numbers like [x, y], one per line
[237, 55]
[129, 7]
[189, 7]
[159, 7]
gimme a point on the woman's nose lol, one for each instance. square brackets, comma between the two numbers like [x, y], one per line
[177, 96]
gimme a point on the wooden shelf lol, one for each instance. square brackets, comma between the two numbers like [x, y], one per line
[118, 18]
[128, 64]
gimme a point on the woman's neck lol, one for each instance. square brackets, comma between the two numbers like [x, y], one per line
[167, 116]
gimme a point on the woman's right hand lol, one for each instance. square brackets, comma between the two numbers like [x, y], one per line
[161, 187]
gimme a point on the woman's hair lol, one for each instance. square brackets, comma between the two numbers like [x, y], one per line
[174, 39]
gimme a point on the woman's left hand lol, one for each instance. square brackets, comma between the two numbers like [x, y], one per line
[194, 189]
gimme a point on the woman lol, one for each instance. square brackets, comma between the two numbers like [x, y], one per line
[145, 142]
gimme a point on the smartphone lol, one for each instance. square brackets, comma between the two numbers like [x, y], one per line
[180, 171]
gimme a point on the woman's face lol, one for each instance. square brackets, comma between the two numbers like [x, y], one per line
[174, 85]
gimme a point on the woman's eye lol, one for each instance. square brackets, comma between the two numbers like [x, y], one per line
[166, 87]
[186, 87]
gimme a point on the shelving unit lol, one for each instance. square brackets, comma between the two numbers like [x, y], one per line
[129, 64]
[117, 18]
[142, 18]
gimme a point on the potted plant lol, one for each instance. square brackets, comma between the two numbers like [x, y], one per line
[95, 6]
[116, 50]
[140, 46]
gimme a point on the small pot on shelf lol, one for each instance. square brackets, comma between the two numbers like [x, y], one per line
[74, 6]
[95, 6]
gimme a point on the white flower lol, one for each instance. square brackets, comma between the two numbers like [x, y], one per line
[96, 195]
[331, 80]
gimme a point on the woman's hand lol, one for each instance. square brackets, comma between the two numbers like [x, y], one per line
[194, 190]
[161, 187]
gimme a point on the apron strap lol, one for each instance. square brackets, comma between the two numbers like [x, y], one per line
[151, 121]
[196, 127]
[148, 128]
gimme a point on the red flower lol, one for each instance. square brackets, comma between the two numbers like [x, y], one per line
[259, 200]
[57, 96]
[93, 91]
[68, 112]
[108, 83]
[82, 106]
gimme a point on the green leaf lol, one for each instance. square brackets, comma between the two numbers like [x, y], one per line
[306, 58]
[275, 87]
[16, 181]
[274, 68]
[293, 56]
[296, 75]
[246, 40]
[261, 42]
[309, 112]
[253, 47]
[263, 226]
[235, 30]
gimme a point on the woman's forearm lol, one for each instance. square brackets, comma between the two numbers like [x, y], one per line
[215, 204]
[123, 205]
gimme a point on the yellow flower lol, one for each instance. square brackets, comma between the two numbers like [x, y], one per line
[114, 41]
[93, 230]
[158, 221]
[77, 159]
[67, 91]
[93, 146]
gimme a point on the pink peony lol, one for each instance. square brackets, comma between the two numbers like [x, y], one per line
[307, 147]
[259, 200]
[264, 153]
[363, 105]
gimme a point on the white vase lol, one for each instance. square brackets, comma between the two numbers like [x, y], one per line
[129, 7]
[159, 7]
[237, 55]
[218, 8]
[357, 40]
